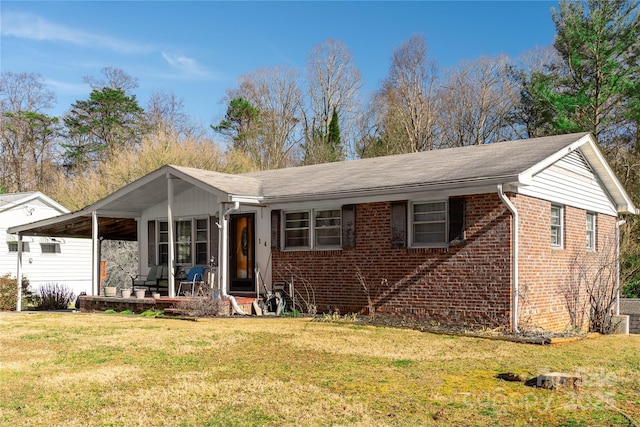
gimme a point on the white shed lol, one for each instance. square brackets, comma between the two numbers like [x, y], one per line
[66, 261]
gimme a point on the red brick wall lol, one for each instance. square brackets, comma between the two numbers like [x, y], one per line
[545, 271]
[467, 283]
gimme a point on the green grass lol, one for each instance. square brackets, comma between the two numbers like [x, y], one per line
[99, 370]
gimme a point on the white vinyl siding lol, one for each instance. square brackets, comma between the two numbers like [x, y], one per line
[571, 182]
[557, 225]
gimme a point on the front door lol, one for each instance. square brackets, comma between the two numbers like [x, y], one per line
[242, 252]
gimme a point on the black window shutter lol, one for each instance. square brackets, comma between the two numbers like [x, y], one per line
[456, 219]
[151, 243]
[349, 226]
[399, 224]
[275, 218]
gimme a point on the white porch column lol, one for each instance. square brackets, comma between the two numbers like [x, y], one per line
[95, 261]
[19, 274]
[172, 255]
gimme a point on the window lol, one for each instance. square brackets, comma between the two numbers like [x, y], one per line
[429, 222]
[202, 237]
[327, 228]
[183, 242]
[325, 231]
[13, 246]
[591, 231]
[191, 243]
[296, 229]
[556, 226]
[50, 248]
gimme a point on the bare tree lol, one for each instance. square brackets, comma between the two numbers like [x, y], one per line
[113, 78]
[476, 100]
[165, 115]
[334, 84]
[28, 136]
[276, 95]
[407, 99]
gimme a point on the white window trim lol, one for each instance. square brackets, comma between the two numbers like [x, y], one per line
[411, 224]
[312, 226]
[592, 243]
[560, 227]
[193, 241]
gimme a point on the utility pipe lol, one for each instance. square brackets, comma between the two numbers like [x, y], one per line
[224, 261]
[514, 257]
[618, 224]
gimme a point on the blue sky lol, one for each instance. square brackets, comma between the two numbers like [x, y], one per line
[197, 50]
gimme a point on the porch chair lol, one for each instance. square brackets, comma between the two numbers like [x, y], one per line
[141, 280]
[155, 279]
[195, 277]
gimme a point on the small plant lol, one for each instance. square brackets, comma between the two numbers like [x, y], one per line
[53, 296]
[110, 311]
[151, 313]
[372, 291]
[126, 312]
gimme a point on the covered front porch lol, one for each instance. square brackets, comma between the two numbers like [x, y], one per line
[181, 218]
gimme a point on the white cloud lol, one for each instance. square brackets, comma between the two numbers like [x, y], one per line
[188, 66]
[33, 27]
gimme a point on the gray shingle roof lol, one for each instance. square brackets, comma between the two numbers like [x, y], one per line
[463, 165]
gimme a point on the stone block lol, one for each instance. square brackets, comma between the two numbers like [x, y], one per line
[554, 380]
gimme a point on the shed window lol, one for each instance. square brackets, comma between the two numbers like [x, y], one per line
[13, 246]
[556, 226]
[50, 248]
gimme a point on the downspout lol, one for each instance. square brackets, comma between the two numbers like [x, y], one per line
[514, 257]
[618, 224]
[224, 261]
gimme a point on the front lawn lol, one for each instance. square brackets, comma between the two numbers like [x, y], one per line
[116, 370]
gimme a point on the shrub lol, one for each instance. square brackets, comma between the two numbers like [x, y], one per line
[9, 292]
[53, 296]
[205, 306]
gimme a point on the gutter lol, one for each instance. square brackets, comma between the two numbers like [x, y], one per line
[224, 261]
[514, 258]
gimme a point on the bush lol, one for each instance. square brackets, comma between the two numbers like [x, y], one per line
[9, 292]
[201, 306]
[53, 296]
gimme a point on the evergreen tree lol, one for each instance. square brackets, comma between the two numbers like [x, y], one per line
[96, 127]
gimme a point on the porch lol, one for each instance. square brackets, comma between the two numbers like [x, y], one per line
[95, 303]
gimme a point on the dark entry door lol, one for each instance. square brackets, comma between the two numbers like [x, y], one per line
[242, 252]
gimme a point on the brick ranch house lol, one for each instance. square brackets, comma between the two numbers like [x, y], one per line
[479, 234]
